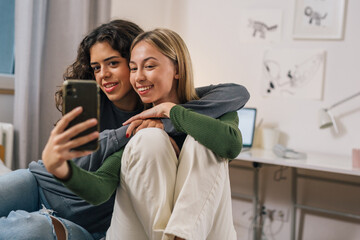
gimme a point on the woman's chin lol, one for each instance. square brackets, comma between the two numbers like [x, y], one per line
[146, 100]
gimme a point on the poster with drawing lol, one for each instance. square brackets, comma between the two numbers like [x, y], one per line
[260, 25]
[293, 73]
[319, 19]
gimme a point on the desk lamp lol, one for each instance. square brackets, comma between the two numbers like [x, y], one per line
[326, 119]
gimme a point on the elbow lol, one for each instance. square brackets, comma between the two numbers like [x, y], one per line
[234, 152]
[245, 94]
[241, 95]
[231, 153]
[233, 148]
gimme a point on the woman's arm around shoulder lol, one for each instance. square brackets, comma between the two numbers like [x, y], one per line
[221, 135]
[216, 100]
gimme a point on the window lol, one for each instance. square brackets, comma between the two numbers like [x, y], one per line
[7, 56]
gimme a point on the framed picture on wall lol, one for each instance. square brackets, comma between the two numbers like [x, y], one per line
[319, 19]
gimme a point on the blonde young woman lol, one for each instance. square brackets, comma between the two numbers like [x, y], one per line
[170, 186]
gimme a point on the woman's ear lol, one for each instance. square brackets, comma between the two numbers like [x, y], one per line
[177, 71]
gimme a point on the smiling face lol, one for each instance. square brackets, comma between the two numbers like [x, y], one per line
[112, 74]
[153, 75]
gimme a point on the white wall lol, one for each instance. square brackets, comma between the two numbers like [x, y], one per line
[210, 28]
[211, 31]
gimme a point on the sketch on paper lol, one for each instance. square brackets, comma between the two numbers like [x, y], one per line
[260, 25]
[260, 28]
[314, 16]
[293, 72]
[319, 19]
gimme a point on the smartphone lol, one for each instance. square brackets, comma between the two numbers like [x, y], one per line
[83, 93]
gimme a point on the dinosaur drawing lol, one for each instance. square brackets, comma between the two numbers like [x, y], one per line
[261, 28]
[314, 16]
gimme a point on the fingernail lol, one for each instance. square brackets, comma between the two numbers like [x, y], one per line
[127, 135]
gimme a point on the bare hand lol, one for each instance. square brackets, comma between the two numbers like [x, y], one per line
[137, 125]
[159, 111]
[58, 148]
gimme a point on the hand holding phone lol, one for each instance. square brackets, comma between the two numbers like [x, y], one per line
[59, 146]
[84, 93]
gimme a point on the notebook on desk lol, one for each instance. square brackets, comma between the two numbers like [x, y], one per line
[247, 121]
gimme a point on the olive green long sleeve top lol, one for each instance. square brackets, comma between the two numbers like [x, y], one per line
[222, 136]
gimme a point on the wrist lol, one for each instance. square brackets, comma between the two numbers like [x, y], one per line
[169, 106]
[63, 172]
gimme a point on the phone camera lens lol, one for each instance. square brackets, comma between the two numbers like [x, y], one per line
[71, 91]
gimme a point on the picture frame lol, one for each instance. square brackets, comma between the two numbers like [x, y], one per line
[319, 19]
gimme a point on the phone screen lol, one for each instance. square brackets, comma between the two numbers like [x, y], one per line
[83, 93]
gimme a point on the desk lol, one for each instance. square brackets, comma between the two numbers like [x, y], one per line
[315, 161]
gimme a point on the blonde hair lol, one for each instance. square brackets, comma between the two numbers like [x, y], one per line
[173, 46]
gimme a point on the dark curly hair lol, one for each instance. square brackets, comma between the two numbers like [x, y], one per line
[119, 34]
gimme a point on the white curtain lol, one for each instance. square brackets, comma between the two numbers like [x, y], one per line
[47, 34]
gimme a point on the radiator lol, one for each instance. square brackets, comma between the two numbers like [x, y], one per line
[7, 140]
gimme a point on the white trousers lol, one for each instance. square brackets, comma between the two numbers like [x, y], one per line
[161, 196]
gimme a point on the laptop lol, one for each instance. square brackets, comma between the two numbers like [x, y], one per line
[247, 121]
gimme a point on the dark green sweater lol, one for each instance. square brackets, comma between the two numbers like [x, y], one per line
[222, 136]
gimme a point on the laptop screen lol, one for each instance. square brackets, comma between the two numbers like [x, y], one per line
[247, 121]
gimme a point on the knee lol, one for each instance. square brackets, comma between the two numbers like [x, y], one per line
[13, 187]
[19, 177]
[149, 141]
[36, 219]
[27, 176]
[148, 145]
[24, 225]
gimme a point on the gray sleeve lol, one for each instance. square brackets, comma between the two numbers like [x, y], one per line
[215, 101]
[110, 141]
